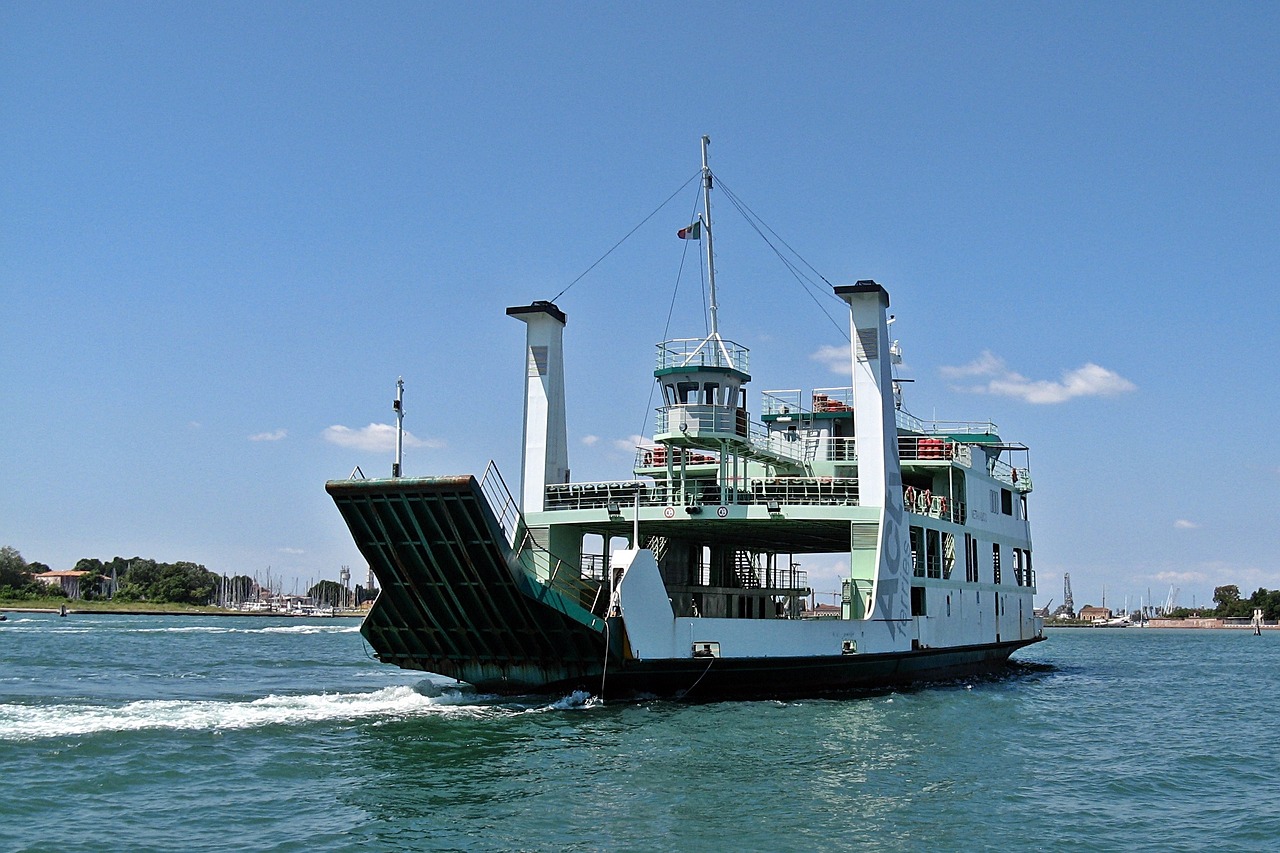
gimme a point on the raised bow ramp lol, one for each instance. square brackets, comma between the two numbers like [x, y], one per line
[456, 599]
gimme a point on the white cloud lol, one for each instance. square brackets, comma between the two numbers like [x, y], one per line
[837, 359]
[1250, 578]
[374, 437]
[1184, 524]
[274, 435]
[1180, 577]
[984, 365]
[630, 443]
[590, 440]
[1090, 380]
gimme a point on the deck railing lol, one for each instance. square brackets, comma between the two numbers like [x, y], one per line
[1019, 478]
[702, 352]
[657, 455]
[715, 423]
[914, 448]
[624, 495]
[923, 502]
[502, 502]
[528, 553]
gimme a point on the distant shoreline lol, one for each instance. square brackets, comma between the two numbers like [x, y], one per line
[1200, 623]
[152, 611]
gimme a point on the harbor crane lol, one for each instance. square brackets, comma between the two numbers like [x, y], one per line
[1067, 609]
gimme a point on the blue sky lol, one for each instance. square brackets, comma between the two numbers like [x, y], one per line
[225, 229]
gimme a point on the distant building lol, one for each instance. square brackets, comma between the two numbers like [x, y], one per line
[68, 582]
[1094, 614]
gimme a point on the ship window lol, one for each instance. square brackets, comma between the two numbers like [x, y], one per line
[1023, 500]
[706, 650]
[917, 601]
[1017, 566]
[687, 390]
[709, 390]
[933, 556]
[970, 558]
[917, 551]
[669, 392]
[1006, 502]
[948, 554]
[995, 561]
[995, 502]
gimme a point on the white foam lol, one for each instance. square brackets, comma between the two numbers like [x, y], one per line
[269, 629]
[29, 722]
[575, 700]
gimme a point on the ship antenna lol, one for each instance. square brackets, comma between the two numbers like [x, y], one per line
[398, 405]
[706, 224]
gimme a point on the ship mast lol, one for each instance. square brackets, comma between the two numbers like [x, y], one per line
[706, 225]
[714, 337]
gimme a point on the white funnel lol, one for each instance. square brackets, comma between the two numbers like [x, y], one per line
[546, 442]
[876, 431]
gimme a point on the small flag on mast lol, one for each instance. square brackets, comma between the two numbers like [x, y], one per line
[693, 232]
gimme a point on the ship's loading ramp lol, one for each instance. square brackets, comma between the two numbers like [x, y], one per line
[455, 599]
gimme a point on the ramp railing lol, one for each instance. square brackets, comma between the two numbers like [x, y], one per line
[561, 575]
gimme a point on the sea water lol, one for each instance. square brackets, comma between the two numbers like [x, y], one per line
[139, 733]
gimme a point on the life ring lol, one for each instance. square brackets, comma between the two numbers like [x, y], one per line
[942, 505]
[909, 497]
[926, 500]
[1015, 475]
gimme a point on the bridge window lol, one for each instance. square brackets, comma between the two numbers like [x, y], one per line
[709, 390]
[686, 392]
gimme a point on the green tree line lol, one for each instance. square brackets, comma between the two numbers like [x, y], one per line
[137, 579]
[1231, 603]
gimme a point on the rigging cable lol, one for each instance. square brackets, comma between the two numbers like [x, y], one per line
[806, 283]
[624, 239]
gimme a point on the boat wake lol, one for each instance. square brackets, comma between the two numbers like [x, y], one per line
[390, 704]
[32, 722]
[43, 626]
[269, 629]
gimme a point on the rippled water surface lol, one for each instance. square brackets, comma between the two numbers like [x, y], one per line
[206, 733]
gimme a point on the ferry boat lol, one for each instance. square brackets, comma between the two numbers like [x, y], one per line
[519, 595]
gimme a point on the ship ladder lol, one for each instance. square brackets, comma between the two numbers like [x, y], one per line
[811, 440]
[658, 545]
[745, 570]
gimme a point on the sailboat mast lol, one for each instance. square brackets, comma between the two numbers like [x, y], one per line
[706, 224]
